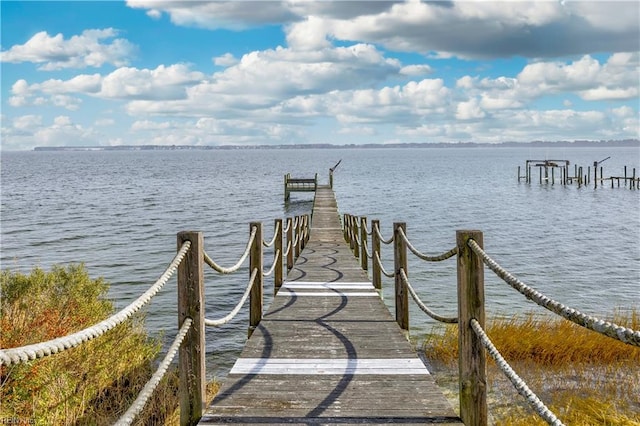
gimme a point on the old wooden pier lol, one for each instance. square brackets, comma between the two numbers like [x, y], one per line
[328, 350]
[581, 176]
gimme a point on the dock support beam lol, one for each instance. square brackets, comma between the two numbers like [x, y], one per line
[191, 305]
[472, 357]
[278, 256]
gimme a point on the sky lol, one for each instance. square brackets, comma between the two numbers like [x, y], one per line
[85, 73]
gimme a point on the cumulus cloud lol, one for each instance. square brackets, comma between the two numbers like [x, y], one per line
[535, 29]
[93, 48]
[234, 15]
[225, 60]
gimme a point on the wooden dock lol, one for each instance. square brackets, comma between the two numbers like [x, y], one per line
[328, 351]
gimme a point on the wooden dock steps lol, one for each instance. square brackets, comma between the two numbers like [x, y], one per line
[328, 351]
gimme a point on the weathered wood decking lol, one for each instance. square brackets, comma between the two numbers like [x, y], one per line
[328, 350]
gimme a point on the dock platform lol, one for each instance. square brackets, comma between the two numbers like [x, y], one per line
[328, 350]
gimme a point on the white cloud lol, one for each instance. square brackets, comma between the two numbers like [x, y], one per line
[469, 110]
[80, 51]
[415, 70]
[105, 122]
[27, 122]
[225, 60]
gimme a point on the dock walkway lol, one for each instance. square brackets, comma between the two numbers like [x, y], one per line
[328, 350]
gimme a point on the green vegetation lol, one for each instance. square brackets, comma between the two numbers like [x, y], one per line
[583, 377]
[93, 383]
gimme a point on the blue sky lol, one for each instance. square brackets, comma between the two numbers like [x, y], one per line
[267, 72]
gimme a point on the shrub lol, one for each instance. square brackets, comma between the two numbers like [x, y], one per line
[93, 383]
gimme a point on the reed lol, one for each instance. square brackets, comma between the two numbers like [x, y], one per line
[582, 376]
[93, 383]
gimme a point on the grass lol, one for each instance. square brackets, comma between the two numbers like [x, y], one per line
[585, 378]
[93, 383]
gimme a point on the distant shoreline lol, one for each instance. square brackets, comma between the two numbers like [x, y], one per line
[545, 144]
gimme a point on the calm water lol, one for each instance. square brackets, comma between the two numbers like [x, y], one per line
[119, 212]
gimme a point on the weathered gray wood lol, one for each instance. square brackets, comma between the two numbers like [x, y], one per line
[278, 258]
[289, 244]
[255, 264]
[375, 248]
[191, 305]
[363, 239]
[341, 348]
[472, 358]
[400, 262]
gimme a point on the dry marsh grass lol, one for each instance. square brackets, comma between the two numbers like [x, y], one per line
[92, 384]
[585, 378]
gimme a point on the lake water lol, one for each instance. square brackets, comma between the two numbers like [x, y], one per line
[119, 213]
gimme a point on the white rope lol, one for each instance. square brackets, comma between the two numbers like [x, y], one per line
[275, 235]
[232, 314]
[235, 267]
[382, 240]
[626, 335]
[276, 259]
[286, 228]
[42, 349]
[422, 306]
[517, 382]
[286, 252]
[384, 272]
[138, 405]
[366, 250]
[425, 257]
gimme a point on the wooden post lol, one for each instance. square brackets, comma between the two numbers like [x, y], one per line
[356, 245]
[191, 305]
[315, 184]
[518, 173]
[625, 176]
[345, 226]
[400, 262]
[472, 357]
[331, 178]
[286, 187]
[278, 272]
[375, 248]
[303, 232]
[289, 243]
[553, 176]
[364, 260]
[297, 236]
[255, 263]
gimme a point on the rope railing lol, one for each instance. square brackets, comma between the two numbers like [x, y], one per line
[421, 305]
[60, 344]
[289, 246]
[236, 309]
[379, 264]
[275, 236]
[143, 397]
[366, 250]
[624, 334]
[276, 259]
[438, 258]
[238, 264]
[538, 406]
[382, 240]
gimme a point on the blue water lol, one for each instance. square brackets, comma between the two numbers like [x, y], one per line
[119, 213]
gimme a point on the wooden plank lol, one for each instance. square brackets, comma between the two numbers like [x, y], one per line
[328, 350]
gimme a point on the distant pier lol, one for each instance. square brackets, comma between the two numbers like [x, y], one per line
[552, 171]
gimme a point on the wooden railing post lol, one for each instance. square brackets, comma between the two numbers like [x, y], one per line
[286, 186]
[400, 262]
[289, 243]
[191, 305]
[472, 358]
[331, 178]
[354, 231]
[278, 273]
[346, 227]
[375, 248]
[297, 236]
[364, 260]
[256, 294]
